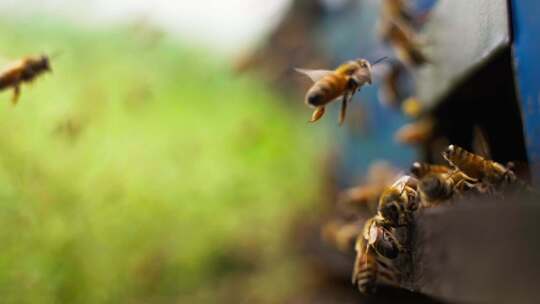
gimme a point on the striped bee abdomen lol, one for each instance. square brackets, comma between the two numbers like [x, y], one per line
[325, 90]
[471, 164]
[420, 170]
[373, 270]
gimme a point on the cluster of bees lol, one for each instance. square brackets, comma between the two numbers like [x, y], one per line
[385, 237]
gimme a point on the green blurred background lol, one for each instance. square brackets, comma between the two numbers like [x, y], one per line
[143, 170]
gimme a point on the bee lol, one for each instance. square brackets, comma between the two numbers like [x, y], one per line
[390, 90]
[365, 196]
[372, 269]
[490, 173]
[381, 236]
[24, 70]
[420, 170]
[404, 41]
[435, 188]
[399, 201]
[340, 234]
[416, 132]
[396, 9]
[343, 82]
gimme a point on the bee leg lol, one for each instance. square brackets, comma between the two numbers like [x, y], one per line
[397, 243]
[16, 94]
[343, 111]
[317, 114]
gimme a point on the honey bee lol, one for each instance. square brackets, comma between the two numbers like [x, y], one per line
[399, 201]
[417, 132]
[24, 70]
[343, 82]
[372, 269]
[420, 170]
[340, 234]
[396, 9]
[365, 196]
[404, 41]
[390, 93]
[435, 188]
[490, 173]
[381, 236]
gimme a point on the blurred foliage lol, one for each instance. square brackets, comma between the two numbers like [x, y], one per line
[142, 171]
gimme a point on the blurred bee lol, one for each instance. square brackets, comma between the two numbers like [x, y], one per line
[372, 269]
[390, 91]
[420, 170]
[490, 173]
[396, 9]
[404, 42]
[341, 234]
[331, 85]
[399, 201]
[435, 188]
[365, 197]
[24, 70]
[417, 132]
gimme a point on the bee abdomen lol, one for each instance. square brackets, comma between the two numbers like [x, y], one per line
[434, 187]
[471, 164]
[366, 278]
[325, 90]
[422, 169]
[316, 99]
[375, 272]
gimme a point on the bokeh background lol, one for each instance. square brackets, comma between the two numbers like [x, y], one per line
[143, 169]
[167, 158]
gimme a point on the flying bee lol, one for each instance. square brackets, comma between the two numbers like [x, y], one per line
[399, 201]
[363, 197]
[342, 82]
[372, 269]
[396, 9]
[21, 71]
[417, 132]
[390, 88]
[340, 234]
[490, 173]
[404, 41]
[435, 188]
[420, 170]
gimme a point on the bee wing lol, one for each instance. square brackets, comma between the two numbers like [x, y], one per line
[314, 75]
[401, 183]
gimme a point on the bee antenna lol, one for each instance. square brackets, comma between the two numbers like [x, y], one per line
[380, 60]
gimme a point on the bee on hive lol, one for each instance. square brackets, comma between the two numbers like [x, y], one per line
[376, 249]
[398, 202]
[491, 174]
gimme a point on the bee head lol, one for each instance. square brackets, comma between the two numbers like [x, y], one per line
[416, 169]
[390, 213]
[448, 151]
[42, 63]
[365, 72]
